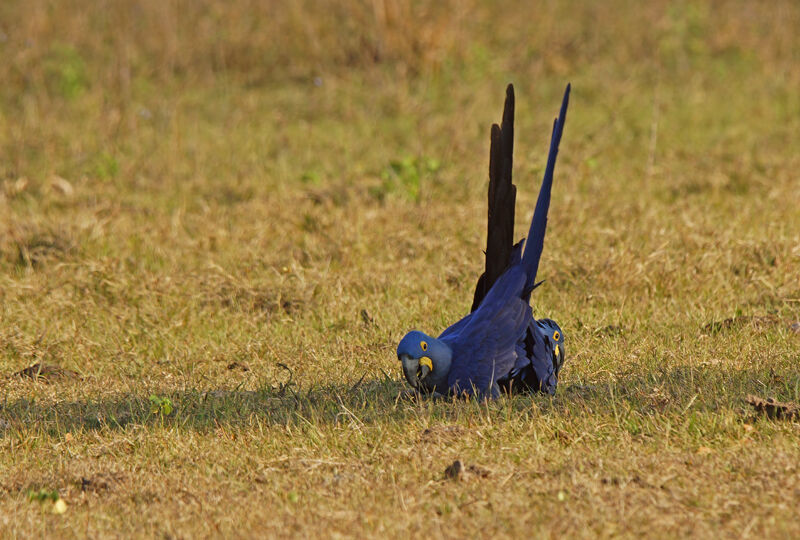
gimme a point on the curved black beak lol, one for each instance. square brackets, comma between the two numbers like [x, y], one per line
[416, 369]
[410, 369]
[423, 370]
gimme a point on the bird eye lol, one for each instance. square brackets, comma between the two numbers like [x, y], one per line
[423, 345]
[556, 335]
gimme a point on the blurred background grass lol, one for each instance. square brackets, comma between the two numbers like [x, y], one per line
[280, 144]
[141, 77]
[196, 192]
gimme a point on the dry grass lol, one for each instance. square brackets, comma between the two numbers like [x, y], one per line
[242, 206]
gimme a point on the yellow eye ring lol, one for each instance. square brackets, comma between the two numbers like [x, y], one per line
[423, 345]
[556, 335]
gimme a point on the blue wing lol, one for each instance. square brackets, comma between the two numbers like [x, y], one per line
[453, 329]
[484, 342]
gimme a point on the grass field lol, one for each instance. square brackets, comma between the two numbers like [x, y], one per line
[217, 219]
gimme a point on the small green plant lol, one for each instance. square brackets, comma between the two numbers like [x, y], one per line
[43, 495]
[66, 71]
[311, 178]
[406, 176]
[105, 166]
[162, 406]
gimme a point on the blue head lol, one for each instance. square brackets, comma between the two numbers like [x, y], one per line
[555, 336]
[426, 361]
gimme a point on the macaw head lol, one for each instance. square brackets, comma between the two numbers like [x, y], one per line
[555, 335]
[426, 361]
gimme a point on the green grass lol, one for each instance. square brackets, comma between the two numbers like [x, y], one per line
[264, 199]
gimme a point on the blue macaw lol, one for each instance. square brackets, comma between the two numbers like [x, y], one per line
[499, 345]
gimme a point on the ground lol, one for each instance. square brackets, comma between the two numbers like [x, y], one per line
[217, 219]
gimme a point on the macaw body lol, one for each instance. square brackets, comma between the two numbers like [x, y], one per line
[499, 345]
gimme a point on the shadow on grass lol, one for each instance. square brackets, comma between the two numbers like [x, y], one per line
[207, 409]
[664, 391]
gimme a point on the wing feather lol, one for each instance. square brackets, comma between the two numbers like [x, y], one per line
[484, 347]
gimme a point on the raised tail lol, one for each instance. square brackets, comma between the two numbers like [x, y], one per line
[535, 242]
[502, 197]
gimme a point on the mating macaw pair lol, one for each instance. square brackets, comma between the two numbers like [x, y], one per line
[499, 345]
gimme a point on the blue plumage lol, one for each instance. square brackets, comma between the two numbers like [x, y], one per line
[499, 345]
[535, 244]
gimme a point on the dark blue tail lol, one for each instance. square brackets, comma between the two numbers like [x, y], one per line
[535, 243]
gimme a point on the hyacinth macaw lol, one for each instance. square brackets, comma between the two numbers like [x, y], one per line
[499, 344]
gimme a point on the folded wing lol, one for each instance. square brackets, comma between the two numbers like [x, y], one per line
[484, 345]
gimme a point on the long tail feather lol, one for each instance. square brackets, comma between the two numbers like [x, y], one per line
[535, 243]
[502, 198]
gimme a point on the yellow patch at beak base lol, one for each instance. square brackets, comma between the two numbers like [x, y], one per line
[425, 361]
